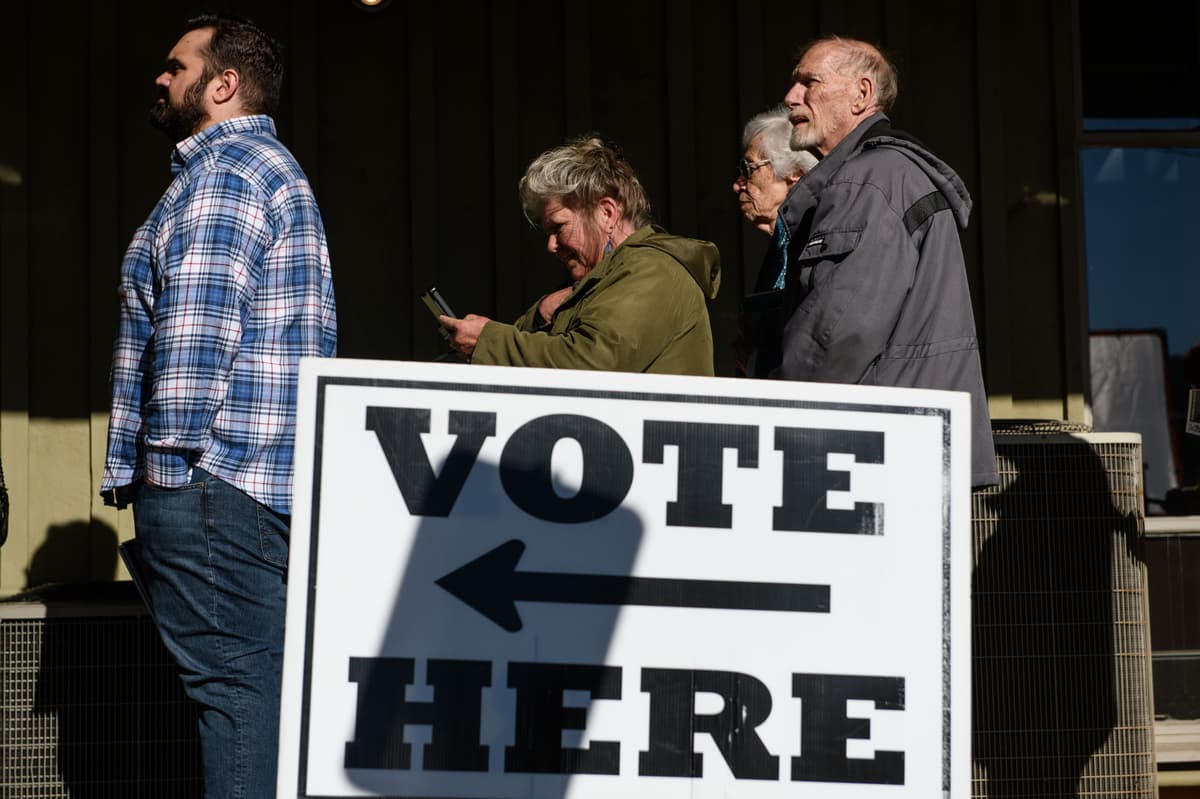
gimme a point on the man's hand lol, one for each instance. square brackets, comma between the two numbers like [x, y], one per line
[464, 333]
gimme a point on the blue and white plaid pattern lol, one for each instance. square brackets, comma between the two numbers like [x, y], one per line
[223, 289]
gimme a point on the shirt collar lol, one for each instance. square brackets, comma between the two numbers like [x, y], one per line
[802, 197]
[185, 150]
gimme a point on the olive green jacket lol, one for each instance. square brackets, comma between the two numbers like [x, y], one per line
[641, 309]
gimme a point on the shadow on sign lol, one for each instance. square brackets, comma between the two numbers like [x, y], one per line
[497, 641]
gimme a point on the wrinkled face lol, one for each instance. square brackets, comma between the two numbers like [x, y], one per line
[761, 194]
[573, 237]
[820, 100]
[179, 111]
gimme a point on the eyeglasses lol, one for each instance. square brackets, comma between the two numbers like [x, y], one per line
[746, 168]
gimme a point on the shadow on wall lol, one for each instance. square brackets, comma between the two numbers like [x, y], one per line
[1053, 555]
[3, 508]
[78, 553]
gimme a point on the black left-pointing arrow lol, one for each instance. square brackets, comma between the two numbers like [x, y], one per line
[492, 585]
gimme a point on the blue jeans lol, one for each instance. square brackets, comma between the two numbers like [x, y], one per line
[214, 563]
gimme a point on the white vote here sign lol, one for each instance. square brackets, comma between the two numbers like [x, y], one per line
[533, 583]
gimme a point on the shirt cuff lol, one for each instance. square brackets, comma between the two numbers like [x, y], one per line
[168, 468]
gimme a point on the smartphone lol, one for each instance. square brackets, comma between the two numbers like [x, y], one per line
[438, 307]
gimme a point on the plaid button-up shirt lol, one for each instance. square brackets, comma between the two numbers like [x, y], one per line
[223, 289]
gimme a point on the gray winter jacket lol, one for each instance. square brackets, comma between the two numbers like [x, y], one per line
[877, 276]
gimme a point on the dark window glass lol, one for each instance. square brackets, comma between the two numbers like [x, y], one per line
[1142, 227]
[1140, 64]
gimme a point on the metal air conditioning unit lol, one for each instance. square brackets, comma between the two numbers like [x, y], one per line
[90, 704]
[1060, 622]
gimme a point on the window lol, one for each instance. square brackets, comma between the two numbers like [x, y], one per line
[1140, 169]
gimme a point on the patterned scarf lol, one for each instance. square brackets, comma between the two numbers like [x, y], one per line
[777, 255]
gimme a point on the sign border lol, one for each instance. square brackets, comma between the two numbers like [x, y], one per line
[326, 381]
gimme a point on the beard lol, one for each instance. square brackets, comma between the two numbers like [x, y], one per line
[180, 121]
[803, 138]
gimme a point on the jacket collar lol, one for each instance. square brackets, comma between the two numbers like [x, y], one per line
[632, 240]
[803, 196]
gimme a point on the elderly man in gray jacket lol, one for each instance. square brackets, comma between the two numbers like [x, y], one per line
[876, 268]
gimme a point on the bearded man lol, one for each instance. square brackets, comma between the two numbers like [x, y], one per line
[224, 288]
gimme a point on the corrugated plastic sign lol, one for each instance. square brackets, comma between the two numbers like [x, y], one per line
[532, 583]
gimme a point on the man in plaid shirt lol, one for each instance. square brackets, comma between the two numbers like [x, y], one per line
[223, 289]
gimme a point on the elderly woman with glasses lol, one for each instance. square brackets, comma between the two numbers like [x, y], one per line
[767, 171]
[636, 298]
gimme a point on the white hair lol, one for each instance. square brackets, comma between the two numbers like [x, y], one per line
[774, 130]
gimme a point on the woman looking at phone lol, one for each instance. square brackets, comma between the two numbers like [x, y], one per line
[637, 298]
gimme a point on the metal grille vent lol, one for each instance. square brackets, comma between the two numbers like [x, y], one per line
[91, 708]
[1060, 622]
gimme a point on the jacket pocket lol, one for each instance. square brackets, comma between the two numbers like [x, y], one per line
[828, 245]
[814, 265]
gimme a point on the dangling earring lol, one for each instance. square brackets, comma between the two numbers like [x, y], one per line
[609, 246]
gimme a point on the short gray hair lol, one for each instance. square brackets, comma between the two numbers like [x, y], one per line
[775, 129]
[863, 58]
[579, 174]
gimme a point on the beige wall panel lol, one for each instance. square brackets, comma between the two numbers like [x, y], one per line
[14, 555]
[991, 246]
[105, 518]
[1033, 229]
[415, 151]
[1076, 377]
[14, 297]
[1029, 248]
[62, 540]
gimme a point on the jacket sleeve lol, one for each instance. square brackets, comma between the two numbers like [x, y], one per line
[854, 271]
[528, 320]
[622, 325]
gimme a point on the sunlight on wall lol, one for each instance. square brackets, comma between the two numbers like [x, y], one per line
[59, 529]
